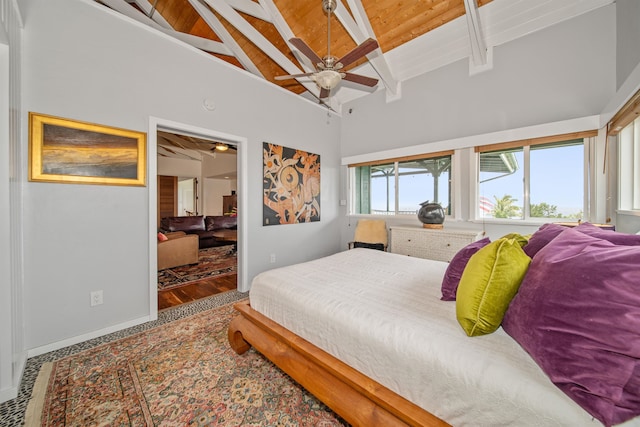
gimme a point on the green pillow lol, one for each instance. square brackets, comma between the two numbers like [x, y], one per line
[522, 240]
[488, 284]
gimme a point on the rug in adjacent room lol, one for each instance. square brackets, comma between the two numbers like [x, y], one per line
[182, 373]
[217, 261]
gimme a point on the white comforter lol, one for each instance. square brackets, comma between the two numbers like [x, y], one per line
[381, 314]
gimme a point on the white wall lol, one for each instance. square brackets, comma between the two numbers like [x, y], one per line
[213, 190]
[179, 167]
[561, 73]
[84, 62]
[219, 165]
[628, 37]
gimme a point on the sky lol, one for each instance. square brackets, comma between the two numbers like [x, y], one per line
[557, 178]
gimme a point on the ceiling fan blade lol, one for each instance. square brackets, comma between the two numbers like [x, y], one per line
[306, 50]
[363, 80]
[293, 76]
[364, 48]
[324, 93]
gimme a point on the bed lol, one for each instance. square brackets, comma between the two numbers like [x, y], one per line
[366, 332]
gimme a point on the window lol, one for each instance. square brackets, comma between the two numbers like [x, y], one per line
[399, 186]
[629, 167]
[544, 178]
[626, 125]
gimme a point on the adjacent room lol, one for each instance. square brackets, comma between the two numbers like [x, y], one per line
[197, 218]
[320, 212]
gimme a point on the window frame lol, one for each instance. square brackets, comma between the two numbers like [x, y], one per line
[588, 138]
[351, 168]
[629, 169]
[620, 123]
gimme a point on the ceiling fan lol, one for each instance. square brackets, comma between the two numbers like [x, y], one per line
[328, 72]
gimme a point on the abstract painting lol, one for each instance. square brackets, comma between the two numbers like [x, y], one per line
[291, 185]
[69, 151]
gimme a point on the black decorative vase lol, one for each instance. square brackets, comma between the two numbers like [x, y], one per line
[431, 215]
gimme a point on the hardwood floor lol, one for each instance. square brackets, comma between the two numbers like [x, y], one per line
[196, 290]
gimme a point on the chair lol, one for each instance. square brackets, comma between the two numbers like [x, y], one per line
[179, 249]
[371, 234]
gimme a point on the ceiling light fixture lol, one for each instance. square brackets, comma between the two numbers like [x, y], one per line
[327, 79]
[220, 146]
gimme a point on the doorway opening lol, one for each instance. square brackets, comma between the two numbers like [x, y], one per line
[204, 180]
[187, 196]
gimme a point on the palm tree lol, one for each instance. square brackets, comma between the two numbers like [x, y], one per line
[505, 208]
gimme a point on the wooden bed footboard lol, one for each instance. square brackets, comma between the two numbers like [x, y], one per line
[358, 399]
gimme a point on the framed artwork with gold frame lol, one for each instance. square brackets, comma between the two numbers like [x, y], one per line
[74, 152]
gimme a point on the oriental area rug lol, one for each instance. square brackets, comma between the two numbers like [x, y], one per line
[217, 261]
[179, 374]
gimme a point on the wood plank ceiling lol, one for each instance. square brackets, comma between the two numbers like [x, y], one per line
[253, 34]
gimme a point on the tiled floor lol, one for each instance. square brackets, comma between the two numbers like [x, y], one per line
[12, 412]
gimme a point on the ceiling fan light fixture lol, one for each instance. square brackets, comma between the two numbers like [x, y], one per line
[220, 146]
[328, 79]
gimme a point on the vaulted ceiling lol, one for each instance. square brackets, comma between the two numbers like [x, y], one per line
[414, 36]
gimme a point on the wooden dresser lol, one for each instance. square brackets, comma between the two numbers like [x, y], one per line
[440, 245]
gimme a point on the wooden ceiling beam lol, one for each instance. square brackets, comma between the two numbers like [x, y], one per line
[207, 45]
[286, 33]
[254, 34]
[180, 153]
[251, 8]
[260, 41]
[476, 39]
[217, 27]
[172, 139]
[126, 9]
[362, 31]
[147, 8]
[188, 144]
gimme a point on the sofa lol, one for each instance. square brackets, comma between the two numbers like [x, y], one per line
[202, 226]
[178, 249]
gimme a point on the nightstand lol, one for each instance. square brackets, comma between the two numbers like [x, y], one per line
[440, 245]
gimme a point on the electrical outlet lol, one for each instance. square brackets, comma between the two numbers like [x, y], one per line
[96, 298]
[272, 258]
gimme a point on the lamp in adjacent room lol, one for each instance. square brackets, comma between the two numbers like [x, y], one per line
[221, 146]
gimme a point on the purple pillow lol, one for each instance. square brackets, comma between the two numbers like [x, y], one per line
[456, 267]
[577, 313]
[612, 236]
[542, 237]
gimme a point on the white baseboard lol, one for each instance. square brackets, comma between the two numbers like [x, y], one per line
[9, 393]
[85, 337]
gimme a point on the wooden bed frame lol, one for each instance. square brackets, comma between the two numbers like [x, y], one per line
[358, 399]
